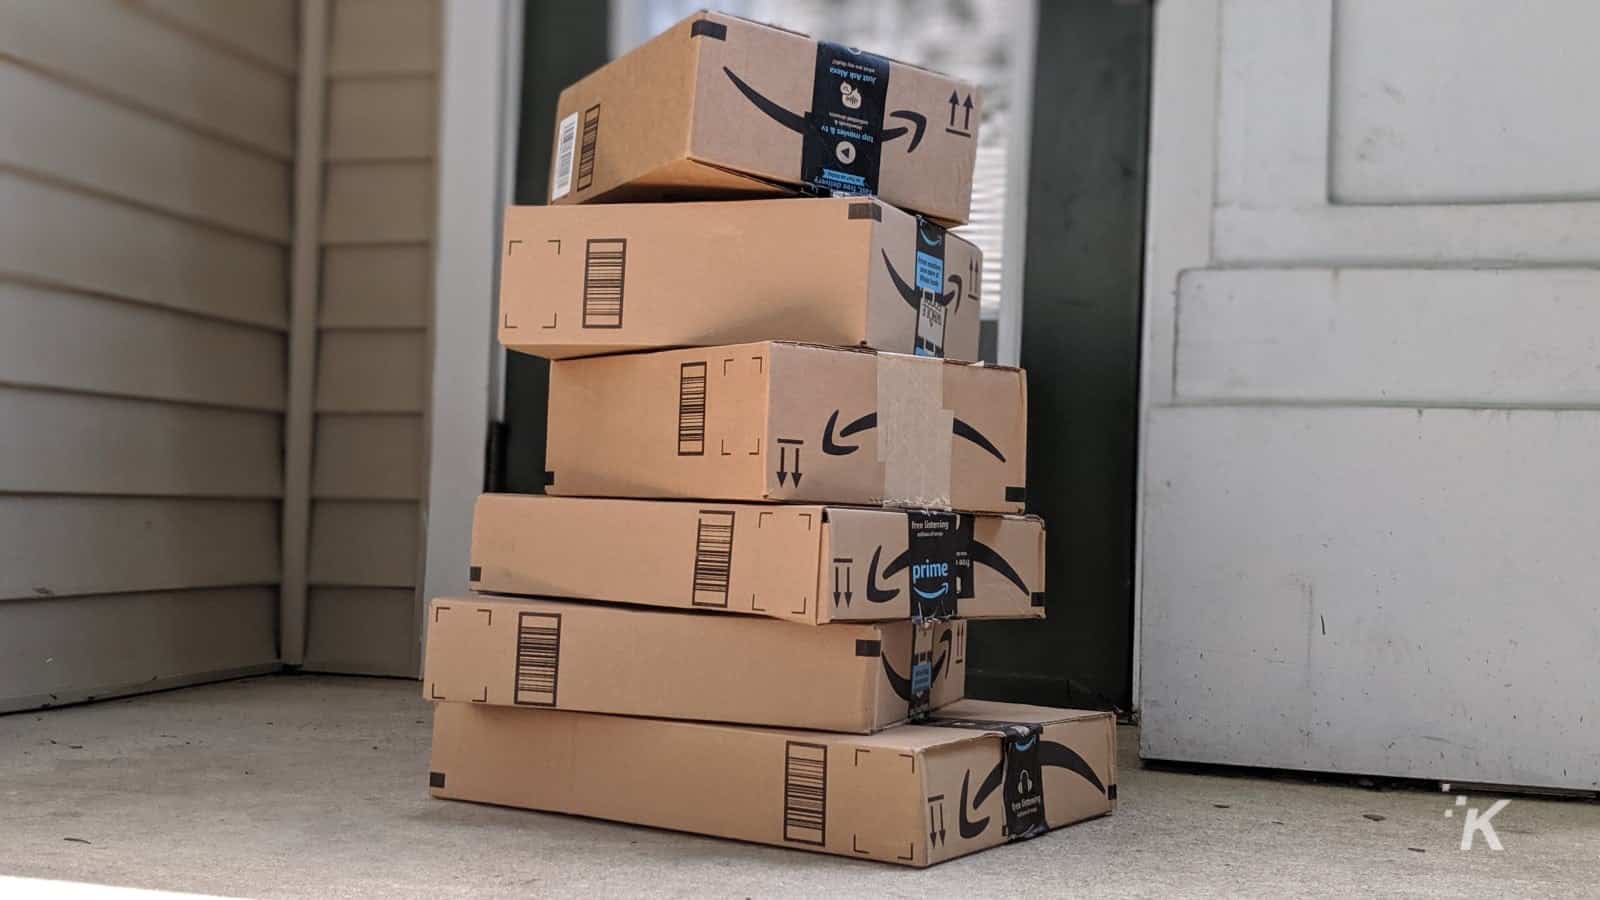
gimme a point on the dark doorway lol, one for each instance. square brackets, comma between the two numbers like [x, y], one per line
[1080, 344]
[562, 41]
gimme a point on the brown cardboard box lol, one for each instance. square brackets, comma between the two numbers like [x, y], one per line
[718, 106]
[681, 665]
[791, 422]
[804, 563]
[916, 795]
[585, 280]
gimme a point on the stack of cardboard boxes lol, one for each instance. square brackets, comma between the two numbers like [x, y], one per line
[822, 489]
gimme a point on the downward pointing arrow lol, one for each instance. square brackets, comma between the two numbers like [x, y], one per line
[796, 472]
[783, 456]
[846, 587]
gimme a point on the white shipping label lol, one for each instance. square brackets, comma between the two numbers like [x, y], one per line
[561, 176]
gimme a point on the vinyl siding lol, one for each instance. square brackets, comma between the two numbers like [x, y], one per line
[144, 224]
[374, 307]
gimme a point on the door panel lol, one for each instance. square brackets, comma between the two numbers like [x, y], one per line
[1371, 402]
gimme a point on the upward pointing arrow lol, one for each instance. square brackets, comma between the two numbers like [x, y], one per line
[966, 120]
[954, 102]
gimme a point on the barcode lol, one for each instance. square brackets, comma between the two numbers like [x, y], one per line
[713, 557]
[604, 263]
[692, 409]
[805, 793]
[591, 135]
[561, 175]
[538, 658]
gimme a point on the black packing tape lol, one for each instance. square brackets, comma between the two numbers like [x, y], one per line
[1022, 787]
[866, 211]
[843, 138]
[939, 546]
[707, 28]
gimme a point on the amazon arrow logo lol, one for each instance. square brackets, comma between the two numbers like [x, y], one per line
[1050, 754]
[876, 594]
[800, 124]
[912, 294]
[978, 552]
[869, 421]
[902, 684]
[983, 555]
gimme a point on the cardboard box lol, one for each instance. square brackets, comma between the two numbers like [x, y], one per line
[804, 563]
[580, 281]
[791, 422]
[718, 106]
[679, 665]
[983, 774]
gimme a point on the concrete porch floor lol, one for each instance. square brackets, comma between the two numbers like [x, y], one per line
[314, 787]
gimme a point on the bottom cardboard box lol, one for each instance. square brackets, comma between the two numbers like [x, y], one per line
[978, 774]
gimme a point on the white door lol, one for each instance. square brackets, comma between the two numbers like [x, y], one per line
[1370, 491]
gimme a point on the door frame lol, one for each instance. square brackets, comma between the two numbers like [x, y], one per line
[1178, 202]
[479, 91]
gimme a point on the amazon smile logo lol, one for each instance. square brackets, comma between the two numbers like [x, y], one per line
[804, 124]
[832, 447]
[912, 295]
[1029, 794]
[979, 553]
[901, 684]
[938, 571]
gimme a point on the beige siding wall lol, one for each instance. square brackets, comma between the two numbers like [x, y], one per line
[373, 355]
[144, 222]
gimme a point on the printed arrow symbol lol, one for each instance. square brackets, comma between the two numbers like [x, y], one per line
[836, 586]
[954, 102]
[783, 469]
[796, 473]
[941, 823]
[847, 593]
[966, 120]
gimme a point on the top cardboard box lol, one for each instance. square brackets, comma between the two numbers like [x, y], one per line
[718, 107]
